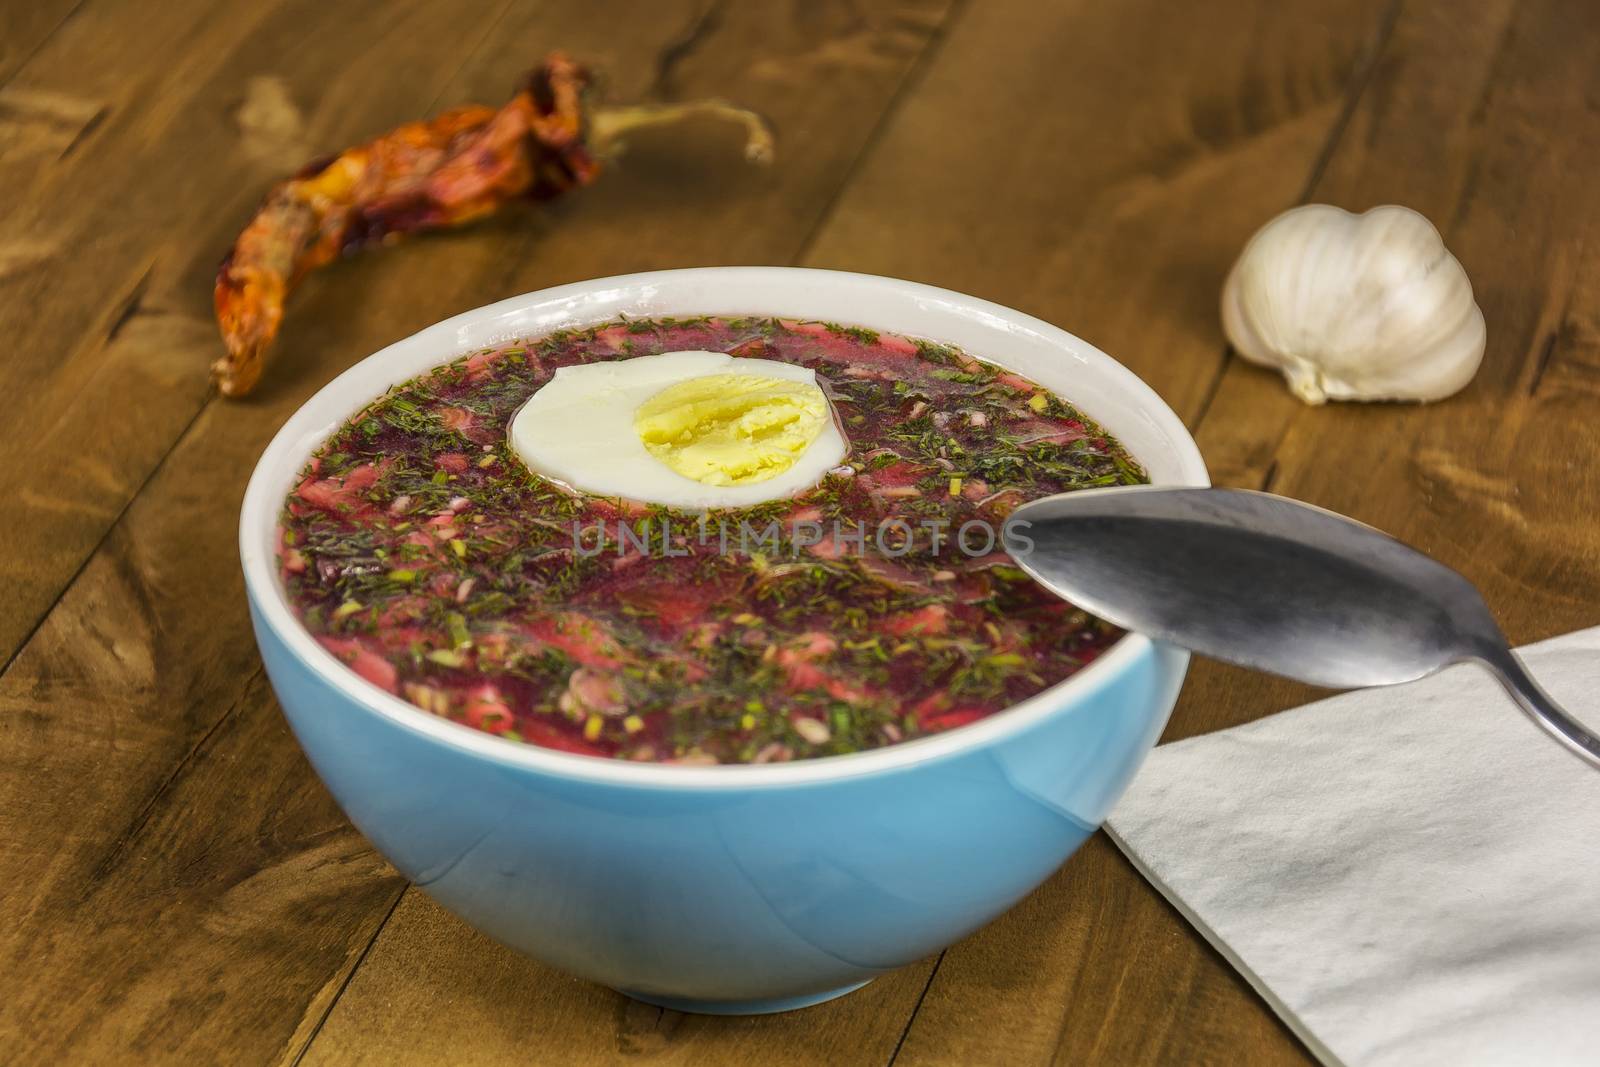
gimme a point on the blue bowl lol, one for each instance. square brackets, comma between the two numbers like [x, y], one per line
[729, 889]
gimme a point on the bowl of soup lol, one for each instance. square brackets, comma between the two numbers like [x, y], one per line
[658, 627]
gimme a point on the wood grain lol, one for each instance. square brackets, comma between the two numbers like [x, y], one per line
[24, 27]
[150, 790]
[167, 849]
[432, 990]
[1099, 165]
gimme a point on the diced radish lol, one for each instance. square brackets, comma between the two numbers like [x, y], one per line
[816, 329]
[325, 493]
[930, 619]
[830, 547]
[675, 605]
[756, 347]
[342, 495]
[950, 720]
[814, 644]
[371, 666]
[850, 694]
[486, 709]
[362, 478]
[549, 735]
[480, 363]
[801, 673]
[898, 345]
[899, 474]
[580, 637]
[692, 670]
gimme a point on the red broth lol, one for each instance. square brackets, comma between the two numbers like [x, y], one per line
[420, 551]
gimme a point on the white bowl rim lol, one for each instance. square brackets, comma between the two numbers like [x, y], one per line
[308, 427]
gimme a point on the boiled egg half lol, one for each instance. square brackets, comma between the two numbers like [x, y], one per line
[682, 429]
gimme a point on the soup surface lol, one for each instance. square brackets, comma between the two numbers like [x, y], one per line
[871, 608]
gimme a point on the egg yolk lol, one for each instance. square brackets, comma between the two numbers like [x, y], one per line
[731, 429]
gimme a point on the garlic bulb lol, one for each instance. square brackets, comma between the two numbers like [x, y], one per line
[1355, 307]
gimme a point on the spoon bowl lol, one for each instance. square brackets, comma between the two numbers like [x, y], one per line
[1268, 582]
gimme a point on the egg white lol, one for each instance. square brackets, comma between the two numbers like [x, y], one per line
[578, 430]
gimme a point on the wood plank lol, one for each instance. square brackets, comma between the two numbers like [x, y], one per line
[24, 27]
[145, 776]
[1099, 165]
[1119, 157]
[433, 991]
[1093, 967]
[194, 932]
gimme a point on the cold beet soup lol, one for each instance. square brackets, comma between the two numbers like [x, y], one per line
[664, 553]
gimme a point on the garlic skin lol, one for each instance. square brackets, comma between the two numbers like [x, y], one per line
[1355, 307]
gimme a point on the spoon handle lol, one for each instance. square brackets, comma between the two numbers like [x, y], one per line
[1540, 707]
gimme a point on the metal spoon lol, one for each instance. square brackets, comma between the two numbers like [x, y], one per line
[1268, 582]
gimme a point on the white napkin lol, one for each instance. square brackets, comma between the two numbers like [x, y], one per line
[1408, 875]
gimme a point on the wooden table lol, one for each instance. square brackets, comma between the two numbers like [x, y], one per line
[175, 885]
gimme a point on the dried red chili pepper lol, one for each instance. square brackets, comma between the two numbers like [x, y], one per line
[461, 165]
